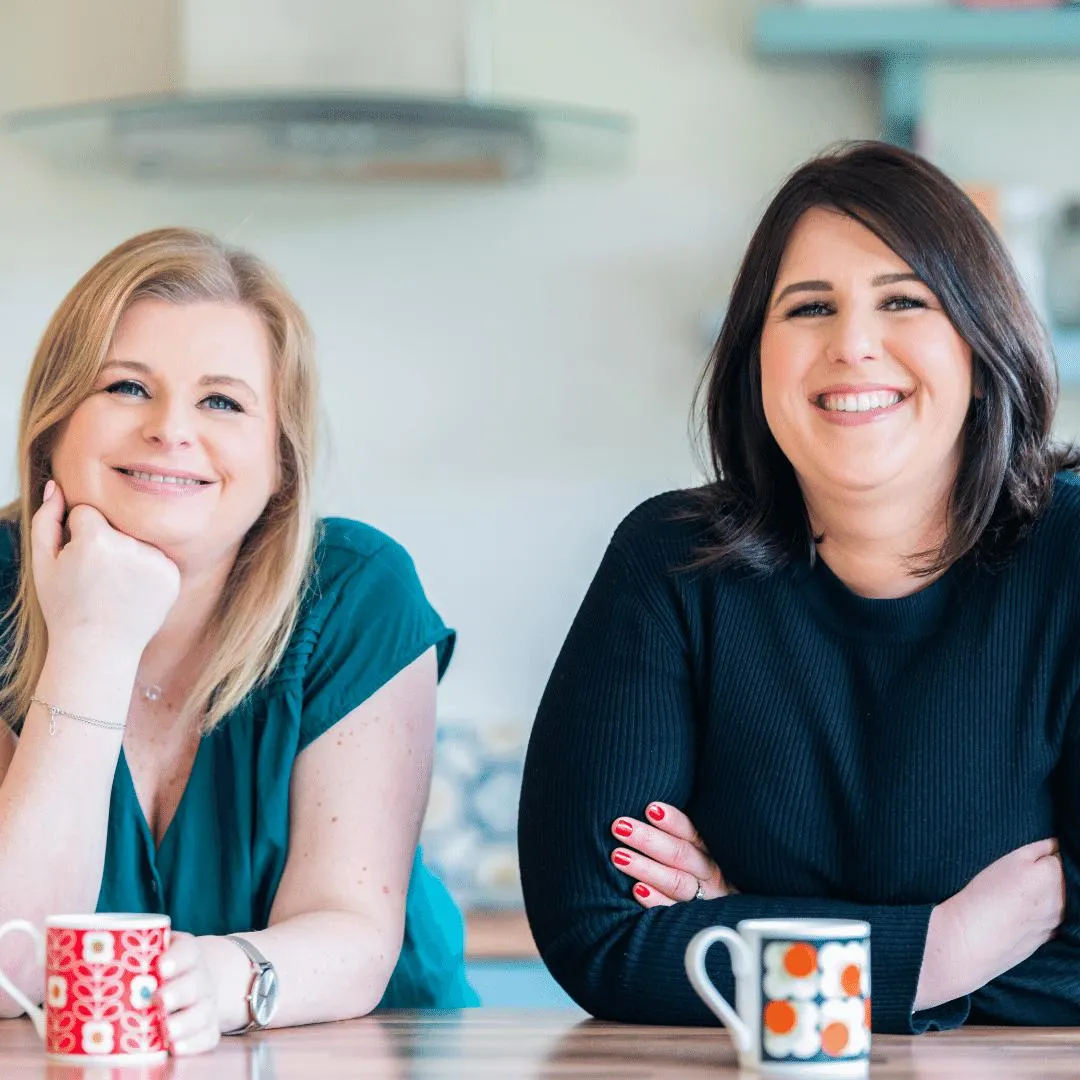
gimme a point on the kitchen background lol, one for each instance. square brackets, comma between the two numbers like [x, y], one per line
[508, 366]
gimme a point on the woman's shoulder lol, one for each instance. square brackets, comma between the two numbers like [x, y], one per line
[362, 576]
[656, 552]
[351, 537]
[1059, 525]
[353, 555]
[663, 534]
[1066, 498]
[1049, 545]
[665, 525]
[365, 617]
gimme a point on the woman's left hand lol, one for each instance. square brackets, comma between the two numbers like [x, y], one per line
[188, 997]
[671, 863]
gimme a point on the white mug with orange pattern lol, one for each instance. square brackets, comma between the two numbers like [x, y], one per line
[802, 993]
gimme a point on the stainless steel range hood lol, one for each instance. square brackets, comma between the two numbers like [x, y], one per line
[333, 133]
[338, 137]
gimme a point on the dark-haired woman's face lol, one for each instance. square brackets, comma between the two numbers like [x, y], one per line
[865, 381]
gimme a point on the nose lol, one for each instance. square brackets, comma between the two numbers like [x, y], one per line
[167, 423]
[854, 337]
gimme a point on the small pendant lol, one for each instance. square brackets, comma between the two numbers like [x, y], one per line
[152, 692]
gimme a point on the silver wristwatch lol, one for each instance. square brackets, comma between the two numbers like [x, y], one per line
[262, 998]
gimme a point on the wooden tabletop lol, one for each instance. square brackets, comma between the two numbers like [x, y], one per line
[479, 1044]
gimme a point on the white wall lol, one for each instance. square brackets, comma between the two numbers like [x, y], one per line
[506, 372]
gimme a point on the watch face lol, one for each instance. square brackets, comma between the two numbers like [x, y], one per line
[264, 996]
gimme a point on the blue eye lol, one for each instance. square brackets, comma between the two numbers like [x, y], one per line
[221, 403]
[127, 388]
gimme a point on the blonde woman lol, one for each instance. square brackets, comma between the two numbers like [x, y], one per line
[220, 708]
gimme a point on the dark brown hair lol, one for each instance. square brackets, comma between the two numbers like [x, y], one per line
[753, 507]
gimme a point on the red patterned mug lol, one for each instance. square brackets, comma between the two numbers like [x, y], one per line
[100, 978]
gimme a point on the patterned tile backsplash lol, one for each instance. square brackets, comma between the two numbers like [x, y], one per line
[470, 832]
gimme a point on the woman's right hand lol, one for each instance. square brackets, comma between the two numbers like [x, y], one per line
[998, 919]
[671, 863]
[102, 585]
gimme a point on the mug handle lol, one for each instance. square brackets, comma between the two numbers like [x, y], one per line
[741, 965]
[36, 1013]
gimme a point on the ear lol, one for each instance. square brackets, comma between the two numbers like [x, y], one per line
[978, 386]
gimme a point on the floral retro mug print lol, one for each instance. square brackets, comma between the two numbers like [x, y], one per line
[802, 992]
[100, 979]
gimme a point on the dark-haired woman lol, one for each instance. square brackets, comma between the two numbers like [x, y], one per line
[852, 660]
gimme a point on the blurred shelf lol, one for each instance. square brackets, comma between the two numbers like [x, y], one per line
[498, 934]
[900, 41]
[791, 30]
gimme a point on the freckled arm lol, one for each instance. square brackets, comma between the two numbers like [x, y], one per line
[357, 802]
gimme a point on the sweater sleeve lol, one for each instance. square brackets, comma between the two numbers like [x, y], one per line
[616, 729]
[1044, 990]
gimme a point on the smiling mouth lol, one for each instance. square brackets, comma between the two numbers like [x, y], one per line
[868, 401]
[161, 478]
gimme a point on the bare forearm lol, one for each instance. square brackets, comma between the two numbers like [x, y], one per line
[1003, 915]
[945, 974]
[54, 802]
[331, 965]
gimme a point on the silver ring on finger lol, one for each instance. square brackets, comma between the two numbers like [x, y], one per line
[700, 894]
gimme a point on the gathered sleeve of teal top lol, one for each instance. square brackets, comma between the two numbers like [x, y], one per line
[370, 620]
[218, 867]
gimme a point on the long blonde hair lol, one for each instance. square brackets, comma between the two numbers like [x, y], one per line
[257, 611]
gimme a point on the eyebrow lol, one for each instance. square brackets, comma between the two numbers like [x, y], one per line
[826, 286]
[206, 380]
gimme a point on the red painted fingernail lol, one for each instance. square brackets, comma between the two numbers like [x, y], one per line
[620, 858]
[623, 828]
[642, 891]
[656, 812]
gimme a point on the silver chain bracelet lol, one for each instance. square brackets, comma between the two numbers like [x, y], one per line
[55, 711]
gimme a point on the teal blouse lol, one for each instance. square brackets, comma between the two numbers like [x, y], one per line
[219, 864]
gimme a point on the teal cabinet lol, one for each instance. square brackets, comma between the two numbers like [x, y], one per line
[900, 41]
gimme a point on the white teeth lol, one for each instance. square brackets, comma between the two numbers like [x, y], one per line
[864, 402]
[158, 478]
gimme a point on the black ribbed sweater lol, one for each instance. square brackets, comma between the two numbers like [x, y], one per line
[841, 757]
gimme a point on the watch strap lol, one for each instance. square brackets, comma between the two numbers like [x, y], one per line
[257, 959]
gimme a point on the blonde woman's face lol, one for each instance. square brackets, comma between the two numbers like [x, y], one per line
[177, 443]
